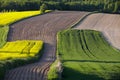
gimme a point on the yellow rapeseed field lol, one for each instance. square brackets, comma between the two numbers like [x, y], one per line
[10, 17]
[20, 49]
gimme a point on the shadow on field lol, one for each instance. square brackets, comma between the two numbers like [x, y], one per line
[70, 74]
[115, 76]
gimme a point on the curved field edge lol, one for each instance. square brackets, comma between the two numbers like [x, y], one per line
[4, 30]
[9, 18]
[46, 34]
[24, 52]
[54, 73]
[85, 54]
[108, 24]
[82, 19]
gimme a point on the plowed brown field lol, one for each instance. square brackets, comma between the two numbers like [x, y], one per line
[109, 24]
[43, 27]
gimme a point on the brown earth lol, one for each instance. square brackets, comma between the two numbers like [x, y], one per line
[42, 27]
[108, 24]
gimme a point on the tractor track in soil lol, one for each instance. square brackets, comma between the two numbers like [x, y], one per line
[42, 27]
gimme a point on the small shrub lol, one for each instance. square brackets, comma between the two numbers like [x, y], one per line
[43, 7]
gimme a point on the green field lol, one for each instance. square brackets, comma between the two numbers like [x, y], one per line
[86, 55]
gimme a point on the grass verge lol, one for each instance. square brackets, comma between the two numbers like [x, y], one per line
[53, 72]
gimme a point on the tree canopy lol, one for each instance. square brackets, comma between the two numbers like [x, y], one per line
[111, 6]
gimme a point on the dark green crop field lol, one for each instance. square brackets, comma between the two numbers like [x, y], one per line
[86, 55]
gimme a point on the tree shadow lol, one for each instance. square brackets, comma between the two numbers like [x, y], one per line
[71, 74]
[115, 76]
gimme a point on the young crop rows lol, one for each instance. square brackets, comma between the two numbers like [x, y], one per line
[86, 54]
[45, 28]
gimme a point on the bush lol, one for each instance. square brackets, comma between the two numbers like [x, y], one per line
[43, 7]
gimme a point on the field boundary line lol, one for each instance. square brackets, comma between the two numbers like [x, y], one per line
[82, 19]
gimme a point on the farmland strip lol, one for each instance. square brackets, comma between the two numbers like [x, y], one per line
[43, 27]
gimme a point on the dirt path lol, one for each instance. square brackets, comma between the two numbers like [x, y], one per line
[43, 27]
[109, 24]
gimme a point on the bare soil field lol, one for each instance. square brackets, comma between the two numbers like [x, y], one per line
[109, 24]
[43, 27]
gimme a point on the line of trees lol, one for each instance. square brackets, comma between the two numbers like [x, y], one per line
[111, 6]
